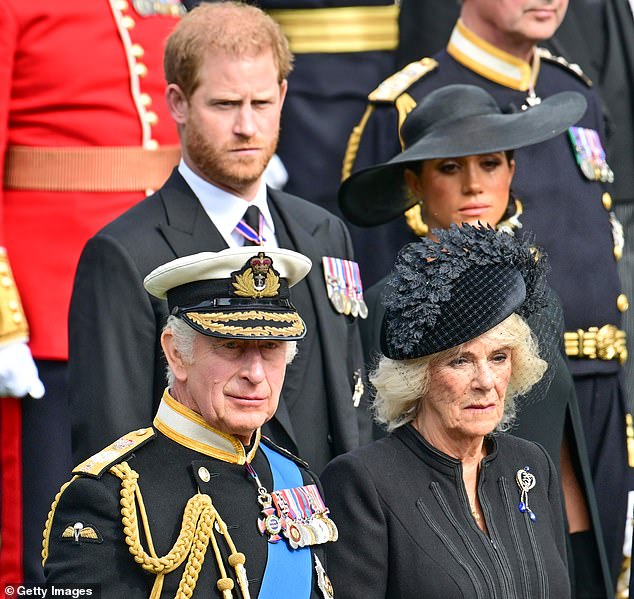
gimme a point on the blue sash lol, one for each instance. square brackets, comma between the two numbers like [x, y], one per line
[289, 572]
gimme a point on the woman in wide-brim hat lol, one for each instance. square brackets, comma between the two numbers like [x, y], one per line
[462, 123]
[457, 166]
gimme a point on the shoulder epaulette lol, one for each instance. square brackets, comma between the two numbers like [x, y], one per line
[284, 452]
[545, 54]
[99, 463]
[396, 84]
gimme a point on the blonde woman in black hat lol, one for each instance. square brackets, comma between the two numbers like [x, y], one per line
[448, 506]
[457, 167]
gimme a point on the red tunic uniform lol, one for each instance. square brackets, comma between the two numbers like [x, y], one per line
[72, 74]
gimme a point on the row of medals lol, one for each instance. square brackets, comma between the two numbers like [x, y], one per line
[315, 530]
[347, 302]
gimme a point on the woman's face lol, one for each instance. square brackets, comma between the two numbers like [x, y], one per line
[466, 393]
[463, 190]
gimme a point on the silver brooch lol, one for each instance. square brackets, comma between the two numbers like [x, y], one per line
[525, 481]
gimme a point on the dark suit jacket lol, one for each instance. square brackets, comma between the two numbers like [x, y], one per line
[116, 369]
[406, 529]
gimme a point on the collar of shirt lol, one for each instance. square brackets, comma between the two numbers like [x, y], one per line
[189, 429]
[226, 210]
[490, 62]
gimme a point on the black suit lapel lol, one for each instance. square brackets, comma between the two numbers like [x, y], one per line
[188, 229]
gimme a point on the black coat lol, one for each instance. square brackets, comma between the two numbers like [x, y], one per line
[406, 529]
[117, 372]
[168, 478]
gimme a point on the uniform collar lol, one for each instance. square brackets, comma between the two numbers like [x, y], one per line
[490, 62]
[188, 428]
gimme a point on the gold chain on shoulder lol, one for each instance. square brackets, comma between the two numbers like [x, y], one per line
[196, 532]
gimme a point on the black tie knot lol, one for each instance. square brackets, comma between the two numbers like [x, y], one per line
[252, 218]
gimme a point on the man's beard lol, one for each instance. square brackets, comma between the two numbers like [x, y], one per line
[222, 168]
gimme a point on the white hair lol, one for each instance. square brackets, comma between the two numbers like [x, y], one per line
[401, 385]
[184, 337]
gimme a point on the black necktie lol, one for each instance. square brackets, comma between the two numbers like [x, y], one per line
[252, 218]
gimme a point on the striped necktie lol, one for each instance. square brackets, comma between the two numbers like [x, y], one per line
[249, 226]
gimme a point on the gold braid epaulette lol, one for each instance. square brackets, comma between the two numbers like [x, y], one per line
[390, 91]
[13, 325]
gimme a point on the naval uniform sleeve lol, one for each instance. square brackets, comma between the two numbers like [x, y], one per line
[112, 348]
[101, 556]
[358, 560]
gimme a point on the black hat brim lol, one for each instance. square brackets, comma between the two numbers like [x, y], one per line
[376, 195]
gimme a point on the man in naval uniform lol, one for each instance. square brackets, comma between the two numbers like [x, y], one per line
[200, 504]
[226, 65]
[560, 185]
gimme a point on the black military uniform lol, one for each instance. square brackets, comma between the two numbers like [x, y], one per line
[568, 212]
[178, 471]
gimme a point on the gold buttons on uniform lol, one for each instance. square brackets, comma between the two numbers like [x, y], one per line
[151, 118]
[141, 432]
[622, 302]
[145, 99]
[140, 69]
[151, 144]
[121, 5]
[204, 475]
[606, 200]
[137, 50]
[128, 22]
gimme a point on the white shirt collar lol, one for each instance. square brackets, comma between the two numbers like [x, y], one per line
[226, 209]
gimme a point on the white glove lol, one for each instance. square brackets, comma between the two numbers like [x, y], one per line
[18, 372]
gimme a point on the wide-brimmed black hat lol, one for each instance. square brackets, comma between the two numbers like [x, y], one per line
[453, 121]
[446, 291]
[238, 293]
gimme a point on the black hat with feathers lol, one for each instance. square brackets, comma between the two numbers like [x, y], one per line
[446, 291]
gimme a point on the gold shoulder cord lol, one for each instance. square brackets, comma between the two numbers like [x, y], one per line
[49, 520]
[197, 531]
[353, 143]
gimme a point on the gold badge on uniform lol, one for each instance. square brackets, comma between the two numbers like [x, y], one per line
[257, 278]
[80, 532]
[344, 287]
[590, 154]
